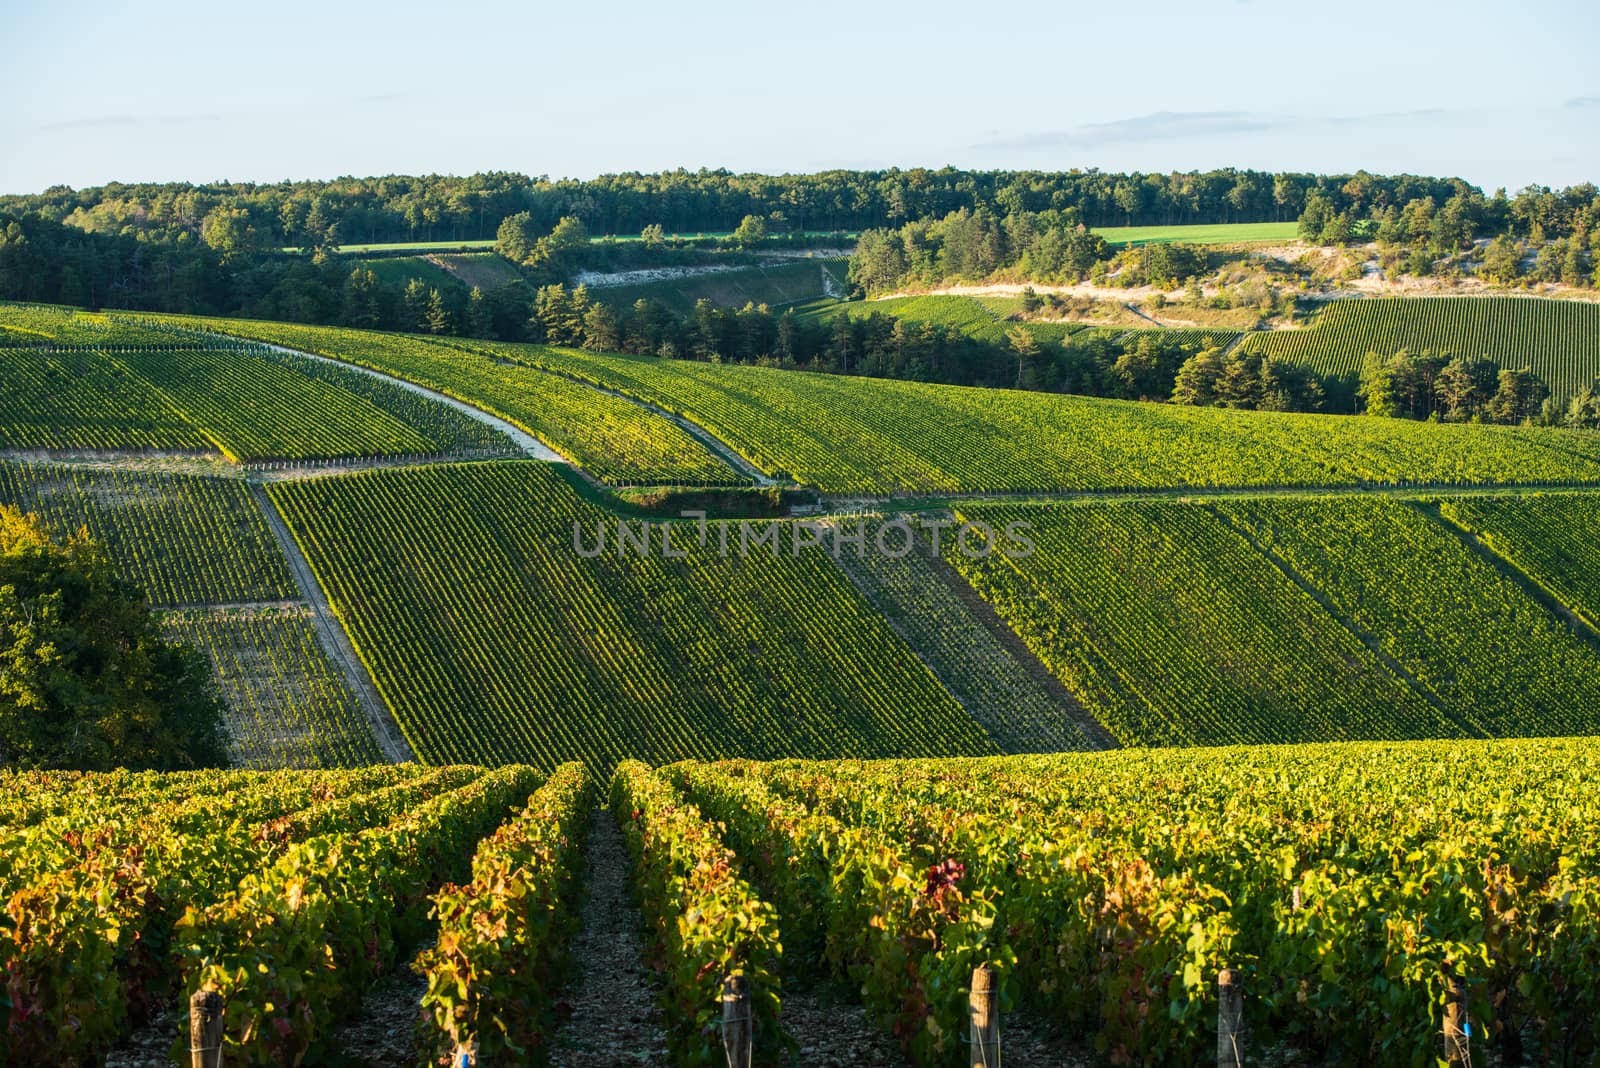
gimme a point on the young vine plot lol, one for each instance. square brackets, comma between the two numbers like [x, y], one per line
[844, 434]
[611, 438]
[186, 540]
[1174, 630]
[1554, 540]
[1108, 891]
[289, 707]
[1558, 339]
[924, 602]
[1463, 630]
[488, 635]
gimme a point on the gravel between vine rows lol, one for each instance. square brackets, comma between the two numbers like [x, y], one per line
[614, 1018]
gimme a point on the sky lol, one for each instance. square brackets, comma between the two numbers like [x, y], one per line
[171, 90]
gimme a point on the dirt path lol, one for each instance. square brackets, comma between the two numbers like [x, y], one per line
[614, 1017]
[335, 641]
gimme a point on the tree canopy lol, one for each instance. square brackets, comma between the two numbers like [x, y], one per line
[86, 679]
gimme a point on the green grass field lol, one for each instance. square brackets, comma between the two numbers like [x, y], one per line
[398, 271]
[1217, 234]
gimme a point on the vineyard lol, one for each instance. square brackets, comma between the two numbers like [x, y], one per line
[1549, 539]
[860, 435]
[1172, 629]
[1286, 620]
[1558, 339]
[186, 540]
[289, 707]
[995, 682]
[79, 399]
[1353, 891]
[283, 893]
[1340, 883]
[143, 385]
[489, 635]
[611, 438]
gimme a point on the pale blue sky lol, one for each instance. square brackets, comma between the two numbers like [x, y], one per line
[1497, 93]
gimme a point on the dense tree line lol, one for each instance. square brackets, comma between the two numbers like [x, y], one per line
[87, 680]
[1429, 385]
[1492, 237]
[1144, 366]
[448, 208]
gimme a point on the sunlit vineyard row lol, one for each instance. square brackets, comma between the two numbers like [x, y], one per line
[1343, 883]
[312, 884]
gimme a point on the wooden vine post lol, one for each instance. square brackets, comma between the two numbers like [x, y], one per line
[1457, 1027]
[738, 1038]
[205, 1029]
[983, 1019]
[1230, 1019]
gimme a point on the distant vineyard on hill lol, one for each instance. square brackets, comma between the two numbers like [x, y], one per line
[612, 438]
[1558, 339]
[846, 434]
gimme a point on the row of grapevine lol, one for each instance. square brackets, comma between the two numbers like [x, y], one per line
[1466, 633]
[143, 384]
[288, 706]
[863, 903]
[257, 408]
[82, 400]
[1174, 630]
[186, 540]
[94, 884]
[611, 438]
[33, 325]
[1108, 891]
[706, 920]
[291, 949]
[488, 634]
[501, 948]
[1558, 339]
[871, 435]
